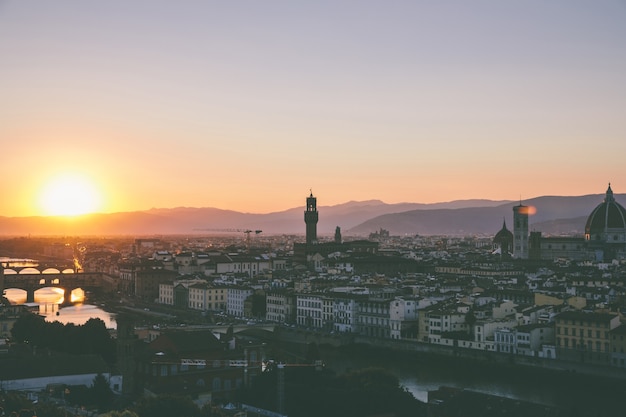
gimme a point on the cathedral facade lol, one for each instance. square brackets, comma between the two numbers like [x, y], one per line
[604, 239]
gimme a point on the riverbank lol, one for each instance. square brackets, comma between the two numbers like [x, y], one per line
[489, 358]
[423, 373]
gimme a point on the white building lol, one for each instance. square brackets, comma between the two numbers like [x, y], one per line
[309, 310]
[484, 330]
[345, 313]
[403, 313]
[236, 297]
[280, 306]
[528, 340]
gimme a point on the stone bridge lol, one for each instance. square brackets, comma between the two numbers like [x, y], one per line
[66, 281]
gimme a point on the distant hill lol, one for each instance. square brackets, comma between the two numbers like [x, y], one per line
[190, 220]
[554, 216]
[354, 217]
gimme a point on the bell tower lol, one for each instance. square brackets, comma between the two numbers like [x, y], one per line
[520, 231]
[310, 219]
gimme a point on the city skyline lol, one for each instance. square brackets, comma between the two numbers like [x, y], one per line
[249, 105]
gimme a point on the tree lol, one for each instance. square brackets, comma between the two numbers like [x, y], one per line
[359, 393]
[123, 413]
[258, 304]
[167, 406]
[470, 320]
[28, 328]
[90, 338]
[13, 402]
[101, 393]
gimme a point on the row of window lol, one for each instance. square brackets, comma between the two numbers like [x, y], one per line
[561, 322]
[581, 332]
[581, 345]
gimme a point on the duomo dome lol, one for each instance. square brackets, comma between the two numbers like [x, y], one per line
[607, 222]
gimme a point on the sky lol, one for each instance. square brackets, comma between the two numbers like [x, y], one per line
[251, 105]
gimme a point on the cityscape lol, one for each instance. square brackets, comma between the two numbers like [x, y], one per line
[204, 317]
[302, 209]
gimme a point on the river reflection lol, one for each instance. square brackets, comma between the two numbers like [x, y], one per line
[588, 396]
[49, 300]
[77, 314]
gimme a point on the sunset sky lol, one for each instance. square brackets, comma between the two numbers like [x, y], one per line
[246, 105]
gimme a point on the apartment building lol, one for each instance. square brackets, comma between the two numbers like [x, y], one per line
[585, 336]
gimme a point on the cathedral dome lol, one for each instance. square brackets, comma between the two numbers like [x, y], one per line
[607, 222]
[503, 240]
[503, 234]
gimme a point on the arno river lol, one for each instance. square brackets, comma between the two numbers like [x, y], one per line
[583, 395]
[48, 300]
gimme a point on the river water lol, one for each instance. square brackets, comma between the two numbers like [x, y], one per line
[587, 396]
[48, 301]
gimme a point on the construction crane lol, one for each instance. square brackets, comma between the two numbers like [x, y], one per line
[247, 232]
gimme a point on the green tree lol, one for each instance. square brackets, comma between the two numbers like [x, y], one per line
[167, 406]
[50, 410]
[123, 413]
[359, 393]
[470, 320]
[90, 338]
[14, 402]
[29, 328]
[101, 393]
[259, 306]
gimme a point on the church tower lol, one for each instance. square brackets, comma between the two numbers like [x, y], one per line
[520, 231]
[310, 219]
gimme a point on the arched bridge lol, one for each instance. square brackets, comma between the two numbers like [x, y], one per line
[68, 282]
[38, 268]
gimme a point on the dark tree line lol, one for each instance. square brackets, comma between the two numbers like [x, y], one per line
[309, 392]
[89, 338]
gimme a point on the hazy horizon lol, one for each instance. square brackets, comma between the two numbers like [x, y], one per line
[320, 205]
[118, 106]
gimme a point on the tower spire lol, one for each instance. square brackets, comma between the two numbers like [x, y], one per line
[609, 194]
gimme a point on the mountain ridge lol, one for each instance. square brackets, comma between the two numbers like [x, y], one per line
[356, 218]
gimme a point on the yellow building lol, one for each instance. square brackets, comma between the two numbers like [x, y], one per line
[585, 337]
[618, 346]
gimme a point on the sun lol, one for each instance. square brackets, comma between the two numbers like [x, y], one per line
[70, 194]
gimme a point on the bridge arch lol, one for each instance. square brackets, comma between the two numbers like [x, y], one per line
[66, 281]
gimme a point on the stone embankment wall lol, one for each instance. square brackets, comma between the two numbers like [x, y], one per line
[336, 340]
